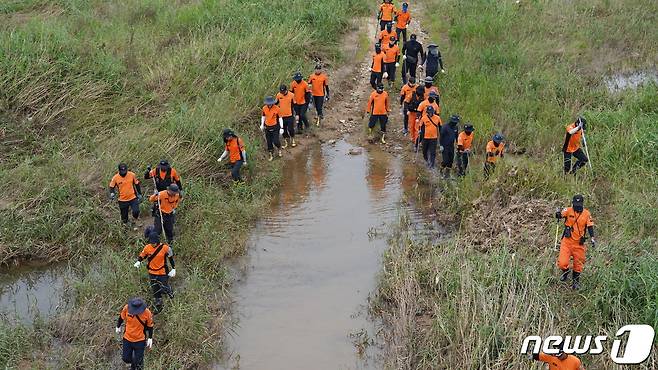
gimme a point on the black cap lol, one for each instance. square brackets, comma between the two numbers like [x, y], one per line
[283, 88]
[468, 127]
[454, 118]
[412, 79]
[380, 87]
[413, 36]
[136, 306]
[578, 200]
[164, 163]
[498, 137]
[154, 237]
[297, 76]
[123, 167]
[173, 187]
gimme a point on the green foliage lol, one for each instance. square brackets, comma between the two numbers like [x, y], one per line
[85, 85]
[527, 70]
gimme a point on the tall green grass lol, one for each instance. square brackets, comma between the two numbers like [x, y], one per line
[88, 84]
[527, 70]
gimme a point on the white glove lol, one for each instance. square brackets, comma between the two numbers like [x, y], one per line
[117, 330]
[397, 64]
[443, 71]
[137, 264]
[172, 273]
[280, 131]
[245, 163]
[149, 343]
[404, 57]
[441, 148]
[219, 159]
[467, 151]
[262, 127]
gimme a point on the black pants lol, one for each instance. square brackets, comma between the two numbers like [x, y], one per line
[390, 69]
[431, 72]
[409, 68]
[235, 170]
[447, 156]
[169, 220]
[289, 126]
[272, 137]
[382, 24]
[429, 151]
[403, 32]
[462, 162]
[488, 169]
[582, 161]
[318, 101]
[133, 353]
[159, 285]
[300, 111]
[375, 79]
[381, 118]
[405, 116]
[124, 206]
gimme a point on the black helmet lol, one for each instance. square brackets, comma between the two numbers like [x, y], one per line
[468, 127]
[413, 36]
[578, 199]
[380, 87]
[297, 76]
[164, 163]
[378, 46]
[454, 119]
[173, 188]
[497, 138]
[123, 167]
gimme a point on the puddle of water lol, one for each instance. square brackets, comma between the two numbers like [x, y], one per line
[303, 287]
[28, 293]
[624, 81]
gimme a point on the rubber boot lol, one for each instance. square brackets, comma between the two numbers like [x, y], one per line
[293, 144]
[159, 306]
[285, 143]
[317, 121]
[576, 281]
[565, 275]
[271, 157]
[280, 153]
[383, 136]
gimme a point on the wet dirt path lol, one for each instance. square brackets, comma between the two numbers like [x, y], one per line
[302, 289]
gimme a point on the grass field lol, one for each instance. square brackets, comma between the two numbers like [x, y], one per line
[85, 85]
[527, 70]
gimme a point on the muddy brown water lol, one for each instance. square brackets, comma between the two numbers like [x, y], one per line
[28, 293]
[302, 289]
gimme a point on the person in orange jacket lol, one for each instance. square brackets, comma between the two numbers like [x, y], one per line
[130, 193]
[571, 147]
[495, 149]
[300, 89]
[157, 254]
[236, 152]
[559, 361]
[577, 220]
[464, 145]
[377, 67]
[386, 12]
[391, 60]
[285, 101]
[378, 108]
[138, 335]
[164, 175]
[385, 36]
[402, 21]
[432, 99]
[406, 93]
[430, 124]
[320, 90]
[167, 202]
[414, 121]
[271, 124]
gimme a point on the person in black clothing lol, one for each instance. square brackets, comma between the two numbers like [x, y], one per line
[447, 139]
[412, 54]
[433, 61]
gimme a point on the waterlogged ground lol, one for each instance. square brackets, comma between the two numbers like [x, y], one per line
[31, 292]
[313, 261]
